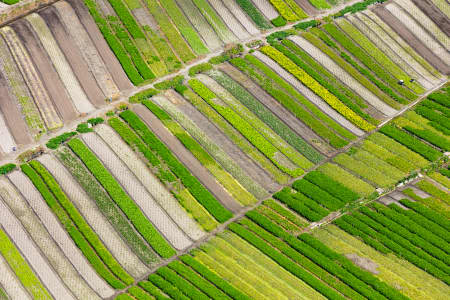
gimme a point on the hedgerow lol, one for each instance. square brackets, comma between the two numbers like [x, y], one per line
[430, 214]
[95, 121]
[201, 283]
[289, 103]
[84, 128]
[318, 89]
[153, 290]
[269, 118]
[254, 14]
[278, 21]
[54, 143]
[285, 196]
[213, 278]
[139, 293]
[200, 68]
[318, 77]
[252, 135]
[166, 287]
[121, 198]
[348, 44]
[331, 186]
[430, 137]
[189, 181]
[317, 194]
[182, 284]
[6, 168]
[411, 142]
[284, 262]
[71, 229]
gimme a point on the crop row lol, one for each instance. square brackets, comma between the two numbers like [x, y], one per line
[393, 159]
[288, 102]
[428, 213]
[317, 194]
[377, 164]
[301, 75]
[285, 11]
[433, 116]
[312, 212]
[331, 186]
[431, 189]
[430, 202]
[254, 14]
[189, 181]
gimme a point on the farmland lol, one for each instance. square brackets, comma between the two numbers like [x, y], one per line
[212, 149]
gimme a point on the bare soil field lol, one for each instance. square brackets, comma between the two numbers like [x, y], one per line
[187, 158]
[434, 14]
[51, 80]
[74, 57]
[409, 37]
[114, 67]
[307, 7]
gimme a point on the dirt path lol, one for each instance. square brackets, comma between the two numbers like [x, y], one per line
[12, 115]
[434, 14]
[51, 80]
[409, 37]
[307, 7]
[73, 56]
[111, 62]
[187, 158]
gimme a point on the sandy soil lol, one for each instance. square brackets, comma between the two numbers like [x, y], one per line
[434, 14]
[187, 158]
[307, 7]
[51, 80]
[409, 37]
[73, 56]
[12, 115]
[114, 67]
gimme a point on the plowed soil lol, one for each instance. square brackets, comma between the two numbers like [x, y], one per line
[434, 14]
[307, 7]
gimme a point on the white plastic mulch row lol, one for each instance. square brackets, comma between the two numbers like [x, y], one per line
[62, 239]
[60, 63]
[342, 75]
[266, 8]
[313, 98]
[94, 218]
[370, 33]
[236, 10]
[11, 284]
[229, 19]
[425, 21]
[32, 254]
[7, 142]
[137, 192]
[45, 242]
[162, 196]
[90, 54]
[392, 40]
[419, 32]
[31, 77]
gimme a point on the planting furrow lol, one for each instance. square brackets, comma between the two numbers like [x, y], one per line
[425, 21]
[137, 192]
[277, 109]
[32, 254]
[150, 182]
[54, 228]
[81, 38]
[419, 32]
[215, 21]
[44, 241]
[10, 283]
[33, 81]
[369, 32]
[316, 100]
[20, 92]
[200, 23]
[94, 218]
[400, 47]
[219, 138]
[266, 8]
[219, 161]
[8, 142]
[240, 16]
[342, 75]
[187, 158]
[443, 6]
[60, 63]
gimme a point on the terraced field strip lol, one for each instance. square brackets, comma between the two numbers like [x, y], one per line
[150, 182]
[61, 65]
[33, 81]
[230, 20]
[20, 93]
[31, 253]
[95, 219]
[138, 193]
[10, 283]
[45, 242]
[200, 23]
[87, 48]
[61, 237]
[21, 268]
[8, 142]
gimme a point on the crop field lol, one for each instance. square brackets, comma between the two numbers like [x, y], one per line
[225, 149]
